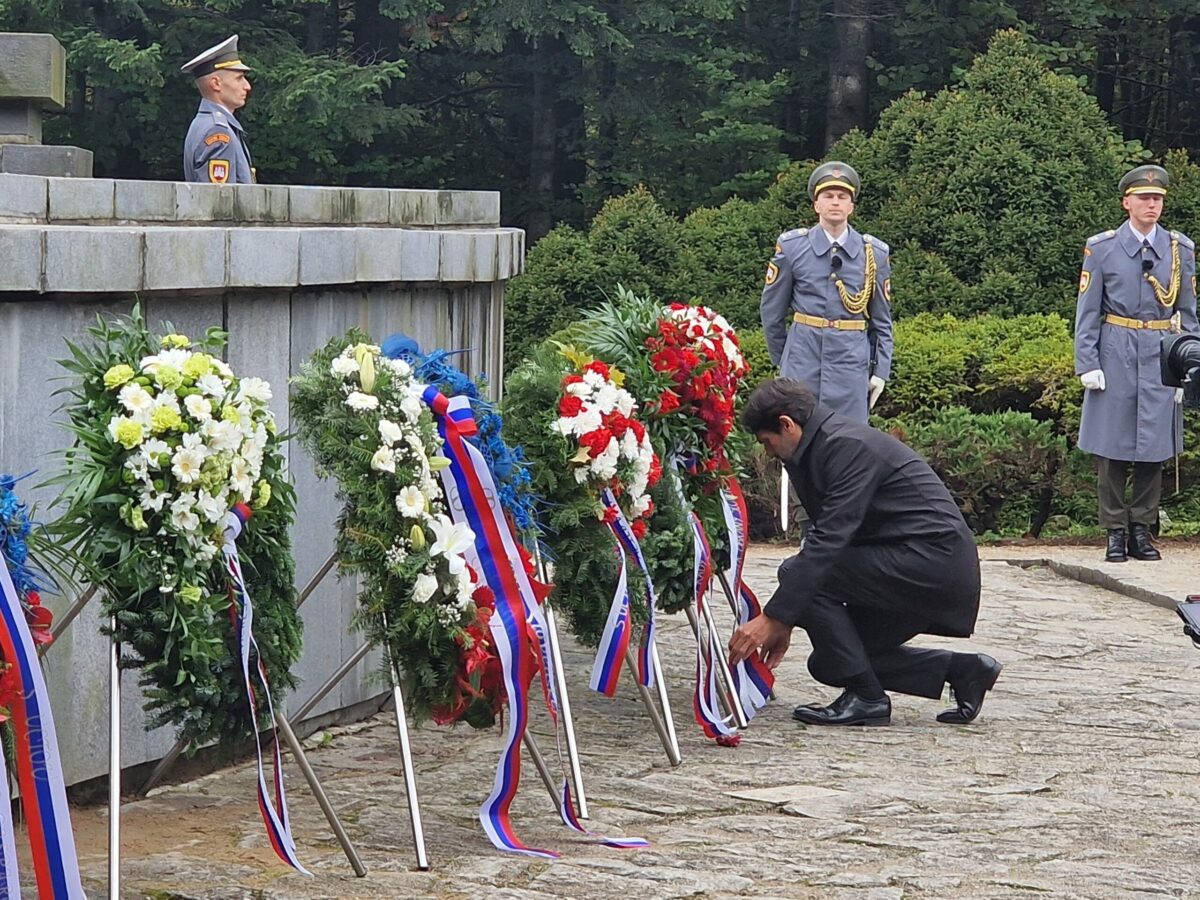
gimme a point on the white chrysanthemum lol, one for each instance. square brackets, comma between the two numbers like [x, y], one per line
[211, 385]
[212, 508]
[222, 435]
[174, 358]
[410, 405]
[579, 389]
[581, 475]
[384, 460]
[639, 505]
[183, 517]
[594, 379]
[136, 398]
[255, 389]
[563, 426]
[588, 420]
[410, 502]
[361, 402]
[629, 445]
[399, 366]
[390, 432]
[343, 366]
[186, 465]
[252, 450]
[197, 407]
[241, 478]
[424, 588]
[626, 404]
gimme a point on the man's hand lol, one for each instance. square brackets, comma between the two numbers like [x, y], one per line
[763, 635]
[1093, 380]
[875, 391]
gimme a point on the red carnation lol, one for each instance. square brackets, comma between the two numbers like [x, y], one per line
[667, 402]
[639, 529]
[572, 379]
[598, 367]
[570, 406]
[596, 441]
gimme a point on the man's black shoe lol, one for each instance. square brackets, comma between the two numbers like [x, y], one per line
[1139, 543]
[970, 690]
[1116, 545]
[848, 709]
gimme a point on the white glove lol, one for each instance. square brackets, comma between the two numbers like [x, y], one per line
[1178, 395]
[876, 389]
[1093, 380]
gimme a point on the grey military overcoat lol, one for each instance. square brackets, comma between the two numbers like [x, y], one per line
[1135, 417]
[836, 364]
[215, 150]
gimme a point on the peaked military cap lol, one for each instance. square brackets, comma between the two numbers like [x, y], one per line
[833, 174]
[1145, 180]
[224, 56]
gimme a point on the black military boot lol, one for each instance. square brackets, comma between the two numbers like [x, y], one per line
[1116, 545]
[1139, 543]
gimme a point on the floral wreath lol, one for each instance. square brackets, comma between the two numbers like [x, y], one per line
[581, 431]
[167, 440]
[361, 416]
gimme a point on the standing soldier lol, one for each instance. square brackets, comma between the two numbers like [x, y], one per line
[825, 305]
[215, 151]
[1138, 282]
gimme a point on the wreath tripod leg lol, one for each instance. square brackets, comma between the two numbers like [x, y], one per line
[672, 747]
[410, 774]
[114, 766]
[564, 707]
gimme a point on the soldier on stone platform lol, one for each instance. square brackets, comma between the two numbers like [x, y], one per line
[215, 151]
[825, 307]
[1138, 283]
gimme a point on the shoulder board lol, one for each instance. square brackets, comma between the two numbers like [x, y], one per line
[794, 233]
[1184, 239]
[1101, 237]
[879, 245]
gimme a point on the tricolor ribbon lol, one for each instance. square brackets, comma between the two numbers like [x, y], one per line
[518, 621]
[39, 769]
[752, 678]
[273, 808]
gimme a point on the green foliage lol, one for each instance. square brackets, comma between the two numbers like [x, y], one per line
[152, 536]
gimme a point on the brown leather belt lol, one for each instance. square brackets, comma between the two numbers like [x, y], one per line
[1139, 324]
[839, 324]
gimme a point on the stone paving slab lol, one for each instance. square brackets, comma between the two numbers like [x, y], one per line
[1080, 779]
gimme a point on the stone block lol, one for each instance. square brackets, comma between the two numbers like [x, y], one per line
[145, 201]
[81, 199]
[264, 257]
[57, 162]
[378, 254]
[311, 205]
[93, 259]
[369, 206]
[412, 207]
[20, 122]
[420, 255]
[22, 198]
[468, 256]
[184, 258]
[33, 67]
[259, 202]
[468, 208]
[196, 202]
[328, 255]
[20, 258]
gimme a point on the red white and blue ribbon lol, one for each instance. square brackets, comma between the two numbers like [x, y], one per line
[39, 769]
[752, 678]
[618, 627]
[518, 620]
[705, 703]
[272, 804]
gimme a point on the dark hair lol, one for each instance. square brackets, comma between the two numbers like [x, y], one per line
[774, 398]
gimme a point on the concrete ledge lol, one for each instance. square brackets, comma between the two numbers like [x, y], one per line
[81, 258]
[250, 204]
[1097, 578]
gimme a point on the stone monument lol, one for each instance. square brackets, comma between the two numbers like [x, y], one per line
[33, 78]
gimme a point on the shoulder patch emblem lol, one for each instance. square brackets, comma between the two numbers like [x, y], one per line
[1085, 278]
[772, 273]
[887, 289]
[218, 171]
[218, 138]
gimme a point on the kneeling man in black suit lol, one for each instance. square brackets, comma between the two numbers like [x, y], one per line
[888, 557]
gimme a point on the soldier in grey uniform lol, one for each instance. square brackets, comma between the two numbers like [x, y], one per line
[825, 307]
[1138, 282]
[215, 151]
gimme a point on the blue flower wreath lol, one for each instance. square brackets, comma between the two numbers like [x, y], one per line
[507, 464]
[15, 527]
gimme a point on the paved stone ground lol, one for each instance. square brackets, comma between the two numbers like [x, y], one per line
[1079, 780]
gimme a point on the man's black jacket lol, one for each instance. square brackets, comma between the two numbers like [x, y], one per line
[882, 523]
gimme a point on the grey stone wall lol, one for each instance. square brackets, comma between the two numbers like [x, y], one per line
[283, 269]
